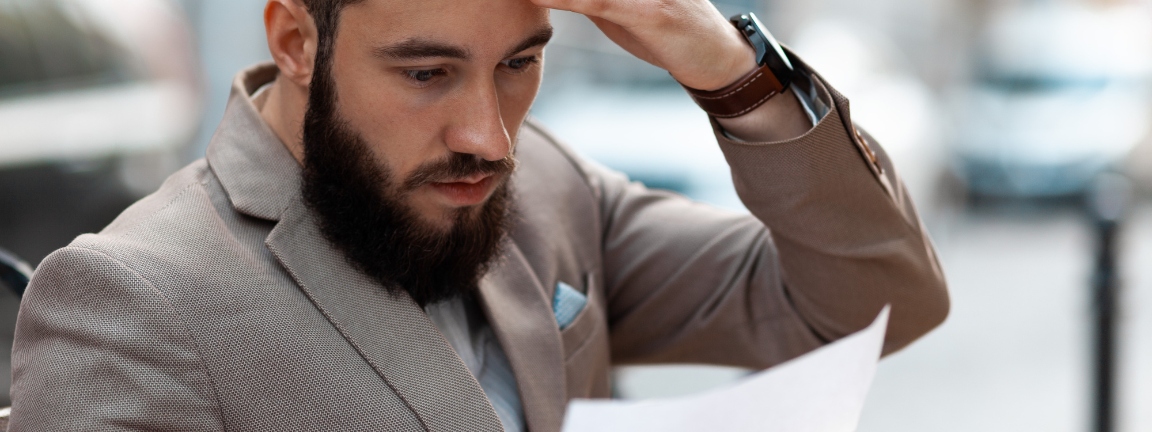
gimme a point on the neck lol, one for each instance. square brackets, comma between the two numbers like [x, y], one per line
[282, 106]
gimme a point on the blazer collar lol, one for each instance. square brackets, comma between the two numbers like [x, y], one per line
[259, 174]
[391, 332]
[405, 348]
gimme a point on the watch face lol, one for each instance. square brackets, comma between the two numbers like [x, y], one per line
[772, 47]
[768, 51]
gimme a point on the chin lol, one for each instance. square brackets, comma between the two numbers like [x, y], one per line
[445, 218]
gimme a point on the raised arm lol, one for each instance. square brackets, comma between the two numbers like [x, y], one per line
[833, 236]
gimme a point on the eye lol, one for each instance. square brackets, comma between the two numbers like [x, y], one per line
[521, 63]
[425, 75]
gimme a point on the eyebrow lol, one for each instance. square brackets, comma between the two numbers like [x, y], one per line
[541, 37]
[422, 48]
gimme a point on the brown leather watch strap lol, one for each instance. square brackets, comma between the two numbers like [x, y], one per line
[737, 99]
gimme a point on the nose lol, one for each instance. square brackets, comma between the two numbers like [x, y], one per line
[478, 128]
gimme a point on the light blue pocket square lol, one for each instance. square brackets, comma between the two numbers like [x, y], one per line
[567, 304]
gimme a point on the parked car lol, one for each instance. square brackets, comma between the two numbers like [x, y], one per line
[1060, 96]
[97, 80]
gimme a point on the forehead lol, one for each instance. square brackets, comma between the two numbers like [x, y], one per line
[482, 25]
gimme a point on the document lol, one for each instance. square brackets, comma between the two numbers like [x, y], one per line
[822, 391]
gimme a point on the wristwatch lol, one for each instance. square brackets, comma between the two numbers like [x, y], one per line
[773, 76]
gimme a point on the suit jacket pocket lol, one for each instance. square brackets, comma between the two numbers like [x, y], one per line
[577, 333]
[586, 359]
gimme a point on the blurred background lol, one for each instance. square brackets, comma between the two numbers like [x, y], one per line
[1000, 115]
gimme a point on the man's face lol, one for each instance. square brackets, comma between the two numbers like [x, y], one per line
[423, 81]
[408, 137]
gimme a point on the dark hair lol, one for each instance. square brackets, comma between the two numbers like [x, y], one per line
[326, 14]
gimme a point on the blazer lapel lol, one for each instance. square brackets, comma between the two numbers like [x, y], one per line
[521, 316]
[390, 331]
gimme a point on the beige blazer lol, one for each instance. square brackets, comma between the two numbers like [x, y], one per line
[215, 304]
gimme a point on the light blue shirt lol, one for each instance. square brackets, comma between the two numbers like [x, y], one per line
[467, 330]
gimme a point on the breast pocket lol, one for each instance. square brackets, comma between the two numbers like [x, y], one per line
[586, 356]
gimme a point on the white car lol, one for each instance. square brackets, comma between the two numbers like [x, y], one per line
[1060, 96]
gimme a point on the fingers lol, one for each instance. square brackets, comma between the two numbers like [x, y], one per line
[625, 39]
[611, 10]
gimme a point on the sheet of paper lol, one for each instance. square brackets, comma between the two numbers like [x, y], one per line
[822, 391]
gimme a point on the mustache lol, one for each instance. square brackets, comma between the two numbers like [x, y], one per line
[456, 166]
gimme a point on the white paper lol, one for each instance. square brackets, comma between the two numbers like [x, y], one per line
[822, 391]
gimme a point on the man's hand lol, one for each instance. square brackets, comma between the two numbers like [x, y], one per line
[699, 47]
[688, 38]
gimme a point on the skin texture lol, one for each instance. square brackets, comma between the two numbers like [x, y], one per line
[415, 110]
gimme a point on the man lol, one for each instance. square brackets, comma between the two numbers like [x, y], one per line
[379, 238]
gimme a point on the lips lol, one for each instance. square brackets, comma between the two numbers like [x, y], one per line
[468, 191]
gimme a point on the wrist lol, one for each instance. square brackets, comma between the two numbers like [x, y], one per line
[770, 74]
[741, 62]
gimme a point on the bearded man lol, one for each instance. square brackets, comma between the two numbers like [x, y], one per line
[380, 239]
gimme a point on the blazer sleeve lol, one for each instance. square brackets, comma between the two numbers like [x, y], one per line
[98, 347]
[832, 238]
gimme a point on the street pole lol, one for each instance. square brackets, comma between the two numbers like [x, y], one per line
[1107, 204]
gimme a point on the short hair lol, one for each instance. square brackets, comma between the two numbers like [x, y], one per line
[326, 14]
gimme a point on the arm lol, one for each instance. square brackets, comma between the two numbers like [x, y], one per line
[98, 347]
[848, 235]
[834, 236]
[825, 249]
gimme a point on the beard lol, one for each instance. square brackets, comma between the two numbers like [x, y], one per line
[361, 209]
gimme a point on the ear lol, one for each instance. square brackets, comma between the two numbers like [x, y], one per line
[292, 39]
